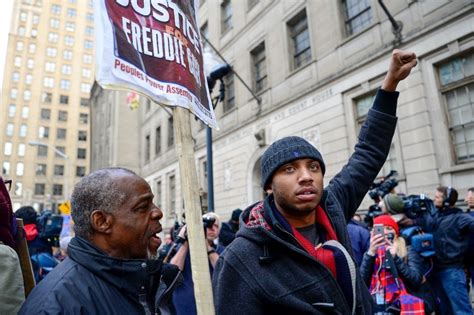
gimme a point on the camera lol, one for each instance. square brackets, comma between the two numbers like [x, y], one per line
[208, 222]
[379, 189]
[416, 206]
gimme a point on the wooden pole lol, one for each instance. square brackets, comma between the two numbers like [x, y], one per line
[24, 257]
[192, 207]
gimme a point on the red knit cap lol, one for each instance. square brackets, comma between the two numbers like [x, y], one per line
[387, 220]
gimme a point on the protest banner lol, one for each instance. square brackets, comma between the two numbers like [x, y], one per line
[153, 47]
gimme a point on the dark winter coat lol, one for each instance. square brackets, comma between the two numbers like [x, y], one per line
[268, 272]
[450, 229]
[90, 282]
[359, 236]
[409, 270]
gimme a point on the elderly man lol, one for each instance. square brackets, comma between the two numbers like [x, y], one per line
[292, 253]
[111, 267]
[183, 297]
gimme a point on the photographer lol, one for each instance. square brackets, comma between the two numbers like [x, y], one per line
[389, 265]
[183, 296]
[450, 228]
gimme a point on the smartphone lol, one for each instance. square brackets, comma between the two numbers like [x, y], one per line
[378, 229]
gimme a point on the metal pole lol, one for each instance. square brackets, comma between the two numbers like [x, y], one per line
[210, 171]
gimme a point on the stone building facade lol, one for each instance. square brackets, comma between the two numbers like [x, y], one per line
[316, 65]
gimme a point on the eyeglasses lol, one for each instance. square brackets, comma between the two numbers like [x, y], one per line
[8, 184]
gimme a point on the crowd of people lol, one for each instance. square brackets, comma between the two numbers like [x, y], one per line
[301, 250]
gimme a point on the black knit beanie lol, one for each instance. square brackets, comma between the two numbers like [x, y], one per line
[284, 151]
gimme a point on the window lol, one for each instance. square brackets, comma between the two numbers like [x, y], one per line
[7, 149]
[54, 23]
[84, 102]
[34, 32]
[51, 52]
[53, 37]
[15, 76]
[89, 31]
[18, 189]
[23, 16]
[226, 16]
[172, 195]
[25, 112]
[204, 33]
[19, 46]
[21, 31]
[157, 140]
[45, 114]
[147, 148]
[28, 79]
[48, 82]
[357, 15]
[90, 17]
[363, 104]
[67, 54]
[80, 171]
[65, 84]
[86, 58]
[259, 67]
[13, 93]
[40, 189]
[85, 87]
[82, 135]
[229, 102]
[49, 66]
[42, 150]
[62, 115]
[35, 19]
[32, 48]
[41, 169]
[70, 26]
[59, 170]
[88, 44]
[158, 194]
[43, 132]
[10, 129]
[55, 9]
[6, 168]
[66, 69]
[60, 133]
[23, 130]
[20, 169]
[83, 118]
[26, 95]
[64, 99]
[68, 40]
[86, 73]
[30, 63]
[17, 61]
[81, 153]
[21, 149]
[71, 12]
[57, 189]
[170, 132]
[46, 97]
[457, 88]
[11, 110]
[300, 41]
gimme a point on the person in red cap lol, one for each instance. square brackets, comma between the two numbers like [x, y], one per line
[391, 268]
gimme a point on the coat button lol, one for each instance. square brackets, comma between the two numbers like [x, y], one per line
[143, 265]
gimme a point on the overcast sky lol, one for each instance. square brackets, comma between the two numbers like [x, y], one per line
[4, 28]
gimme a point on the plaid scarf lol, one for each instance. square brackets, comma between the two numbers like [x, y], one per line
[392, 288]
[330, 253]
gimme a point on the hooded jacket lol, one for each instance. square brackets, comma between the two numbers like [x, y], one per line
[90, 282]
[450, 228]
[265, 271]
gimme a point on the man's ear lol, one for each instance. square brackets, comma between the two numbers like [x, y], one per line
[101, 221]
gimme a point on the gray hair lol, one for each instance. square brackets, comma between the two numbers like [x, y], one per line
[96, 191]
